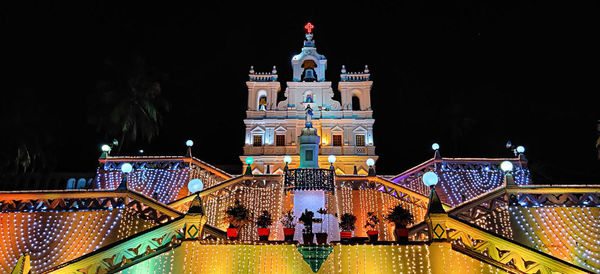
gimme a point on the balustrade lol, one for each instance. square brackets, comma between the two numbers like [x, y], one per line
[310, 179]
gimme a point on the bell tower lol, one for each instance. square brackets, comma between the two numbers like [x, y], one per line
[262, 90]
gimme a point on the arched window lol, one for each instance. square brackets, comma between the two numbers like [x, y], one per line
[261, 100]
[309, 72]
[355, 103]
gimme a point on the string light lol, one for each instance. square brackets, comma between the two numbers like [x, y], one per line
[53, 237]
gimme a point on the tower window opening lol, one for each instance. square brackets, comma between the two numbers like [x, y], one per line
[257, 140]
[337, 140]
[309, 73]
[262, 103]
[355, 103]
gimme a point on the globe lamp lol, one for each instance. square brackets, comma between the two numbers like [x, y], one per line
[430, 178]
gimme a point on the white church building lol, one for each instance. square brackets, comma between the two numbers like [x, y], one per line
[345, 128]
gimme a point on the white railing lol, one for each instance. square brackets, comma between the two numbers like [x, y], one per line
[262, 77]
[355, 76]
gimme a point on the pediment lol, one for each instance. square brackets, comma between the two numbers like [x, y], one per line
[337, 128]
[258, 130]
[359, 130]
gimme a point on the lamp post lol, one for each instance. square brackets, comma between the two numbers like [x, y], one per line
[507, 168]
[189, 144]
[287, 159]
[126, 168]
[331, 160]
[105, 151]
[371, 163]
[249, 161]
[436, 151]
[431, 179]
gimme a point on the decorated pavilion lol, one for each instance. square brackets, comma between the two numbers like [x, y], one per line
[168, 214]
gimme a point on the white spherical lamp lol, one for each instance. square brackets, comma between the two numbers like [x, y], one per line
[195, 185]
[105, 148]
[370, 162]
[435, 146]
[331, 159]
[287, 159]
[506, 166]
[249, 160]
[430, 178]
[126, 168]
[520, 149]
[189, 143]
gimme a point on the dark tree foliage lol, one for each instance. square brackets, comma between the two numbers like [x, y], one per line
[128, 105]
[29, 129]
[237, 215]
[347, 222]
[399, 216]
[264, 220]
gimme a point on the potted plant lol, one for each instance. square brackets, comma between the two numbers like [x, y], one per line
[401, 218]
[289, 226]
[237, 216]
[307, 219]
[347, 226]
[322, 236]
[263, 222]
[371, 225]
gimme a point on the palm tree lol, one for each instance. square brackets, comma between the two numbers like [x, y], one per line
[129, 106]
[29, 143]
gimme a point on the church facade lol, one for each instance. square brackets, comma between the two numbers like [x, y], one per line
[345, 127]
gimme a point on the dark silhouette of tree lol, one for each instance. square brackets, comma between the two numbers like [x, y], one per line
[29, 127]
[128, 105]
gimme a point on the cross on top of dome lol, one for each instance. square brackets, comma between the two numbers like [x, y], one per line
[308, 27]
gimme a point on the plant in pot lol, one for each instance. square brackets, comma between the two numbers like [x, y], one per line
[263, 222]
[237, 216]
[322, 236]
[401, 218]
[371, 225]
[347, 226]
[289, 226]
[307, 219]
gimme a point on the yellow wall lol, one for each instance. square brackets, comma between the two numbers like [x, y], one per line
[194, 257]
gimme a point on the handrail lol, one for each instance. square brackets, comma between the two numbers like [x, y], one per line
[454, 160]
[495, 242]
[194, 160]
[82, 194]
[385, 182]
[529, 189]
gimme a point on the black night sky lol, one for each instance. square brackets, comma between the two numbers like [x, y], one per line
[469, 75]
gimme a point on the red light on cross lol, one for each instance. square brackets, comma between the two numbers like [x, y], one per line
[308, 27]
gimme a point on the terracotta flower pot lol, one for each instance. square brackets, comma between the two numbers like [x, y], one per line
[308, 238]
[288, 233]
[263, 234]
[345, 235]
[232, 233]
[401, 235]
[373, 235]
[321, 238]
